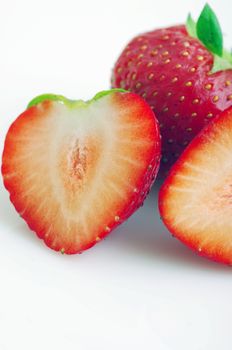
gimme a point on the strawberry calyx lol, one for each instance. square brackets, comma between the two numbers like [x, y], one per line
[208, 30]
[70, 103]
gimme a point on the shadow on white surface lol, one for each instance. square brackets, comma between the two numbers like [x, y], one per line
[143, 237]
[146, 235]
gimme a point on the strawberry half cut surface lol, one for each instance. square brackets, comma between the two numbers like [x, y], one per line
[75, 170]
[195, 201]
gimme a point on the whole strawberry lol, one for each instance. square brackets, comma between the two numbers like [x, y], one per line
[185, 75]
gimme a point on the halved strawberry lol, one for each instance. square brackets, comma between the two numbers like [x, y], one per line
[75, 170]
[195, 201]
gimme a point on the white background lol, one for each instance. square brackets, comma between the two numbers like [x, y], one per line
[140, 288]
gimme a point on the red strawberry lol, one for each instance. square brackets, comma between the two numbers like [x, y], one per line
[195, 201]
[75, 170]
[184, 77]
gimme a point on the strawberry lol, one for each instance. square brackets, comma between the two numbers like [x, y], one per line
[195, 199]
[75, 170]
[184, 74]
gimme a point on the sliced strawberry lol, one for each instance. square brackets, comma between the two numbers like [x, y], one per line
[196, 199]
[75, 170]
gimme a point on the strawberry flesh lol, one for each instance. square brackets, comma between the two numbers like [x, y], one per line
[195, 200]
[74, 173]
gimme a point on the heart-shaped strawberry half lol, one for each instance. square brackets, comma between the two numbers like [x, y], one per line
[75, 170]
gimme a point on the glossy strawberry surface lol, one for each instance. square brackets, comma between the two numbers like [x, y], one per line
[171, 70]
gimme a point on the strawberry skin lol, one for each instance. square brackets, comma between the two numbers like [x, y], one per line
[75, 170]
[195, 200]
[172, 71]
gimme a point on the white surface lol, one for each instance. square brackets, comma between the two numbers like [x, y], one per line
[140, 288]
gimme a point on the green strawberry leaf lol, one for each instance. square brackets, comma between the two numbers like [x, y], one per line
[209, 31]
[191, 26]
[228, 56]
[222, 63]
